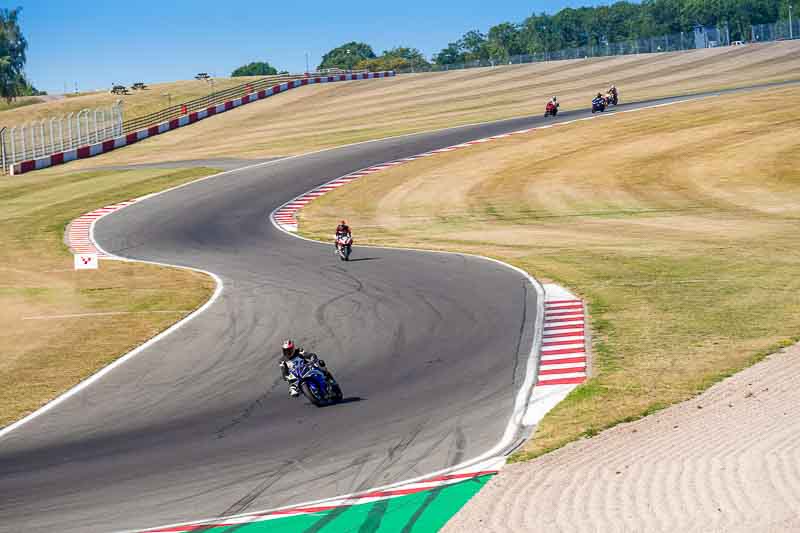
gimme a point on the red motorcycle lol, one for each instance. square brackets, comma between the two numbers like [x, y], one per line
[551, 109]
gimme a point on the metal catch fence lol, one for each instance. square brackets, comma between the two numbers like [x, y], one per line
[91, 126]
[43, 137]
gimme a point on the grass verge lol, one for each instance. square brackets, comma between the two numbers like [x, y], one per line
[327, 115]
[678, 225]
[43, 355]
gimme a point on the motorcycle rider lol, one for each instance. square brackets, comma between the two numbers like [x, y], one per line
[342, 230]
[290, 351]
[614, 96]
[552, 105]
[599, 101]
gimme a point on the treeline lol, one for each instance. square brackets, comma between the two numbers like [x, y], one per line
[587, 26]
[572, 28]
[12, 57]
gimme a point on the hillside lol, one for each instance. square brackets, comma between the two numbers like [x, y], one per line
[322, 116]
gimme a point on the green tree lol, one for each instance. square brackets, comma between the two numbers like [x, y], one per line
[451, 55]
[258, 68]
[399, 58]
[12, 56]
[347, 56]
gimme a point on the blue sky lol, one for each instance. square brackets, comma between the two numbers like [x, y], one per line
[97, 43]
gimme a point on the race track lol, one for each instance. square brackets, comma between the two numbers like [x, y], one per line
[429, 349]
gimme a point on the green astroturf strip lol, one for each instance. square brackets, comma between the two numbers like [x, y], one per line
[422, 512]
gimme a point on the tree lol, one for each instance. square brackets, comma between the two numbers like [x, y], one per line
[347, 56]
[451, 55]
[398, 58]
[259, 68]
[12, 56]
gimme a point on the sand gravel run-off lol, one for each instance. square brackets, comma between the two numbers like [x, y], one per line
[728, 460]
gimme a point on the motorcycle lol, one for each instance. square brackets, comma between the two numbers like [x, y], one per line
[612, 99]
[313, 382]
[599, 104]
[551, 110]
[344, 246]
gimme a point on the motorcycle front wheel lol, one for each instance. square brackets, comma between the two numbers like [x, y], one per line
[309, 393]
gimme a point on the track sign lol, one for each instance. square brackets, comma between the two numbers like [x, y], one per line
[86, 262]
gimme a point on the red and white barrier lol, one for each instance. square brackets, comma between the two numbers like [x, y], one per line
[190, 118]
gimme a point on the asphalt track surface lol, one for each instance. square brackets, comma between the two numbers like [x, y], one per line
[429, 348]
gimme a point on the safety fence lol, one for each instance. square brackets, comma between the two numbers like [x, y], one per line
[54, 135]
[57, 134]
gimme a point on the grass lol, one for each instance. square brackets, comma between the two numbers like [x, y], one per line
[327, 115]
[16, 103]
[682, 236]
[135, 104]
[41, 357]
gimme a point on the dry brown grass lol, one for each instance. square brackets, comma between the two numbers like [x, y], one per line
[40, 357]
[328, 115]
[136, 104]
[683, 238]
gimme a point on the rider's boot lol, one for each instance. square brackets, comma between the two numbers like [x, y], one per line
[294, 392]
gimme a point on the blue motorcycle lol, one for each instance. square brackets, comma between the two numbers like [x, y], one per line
[318, 386]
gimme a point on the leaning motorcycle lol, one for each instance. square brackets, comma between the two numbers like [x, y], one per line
[344, 246]
[598, 105]
[314, 383]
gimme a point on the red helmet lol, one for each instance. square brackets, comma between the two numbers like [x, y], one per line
[288, 347]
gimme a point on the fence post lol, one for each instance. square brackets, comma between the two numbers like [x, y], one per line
[13, 149]
[41, 137]
[3, 148]
[52, 136]
[22, 138]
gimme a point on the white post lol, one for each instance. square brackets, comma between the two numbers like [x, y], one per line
[22, 137]
[61, 132]
[78, 126]
[33, 140]
[86, 124]
[41, 136]
[52, 136]
[791, 34]
[96, 131]
[13, 149]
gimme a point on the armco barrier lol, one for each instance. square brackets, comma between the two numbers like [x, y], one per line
[125, 140]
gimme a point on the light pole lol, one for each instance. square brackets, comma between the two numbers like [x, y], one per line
[791, 34]
[349, 66]
[306, 62]
[169, 99]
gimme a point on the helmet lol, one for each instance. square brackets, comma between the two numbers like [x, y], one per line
[555, 99]
[599, 95]
[288, 347]
[343, 222]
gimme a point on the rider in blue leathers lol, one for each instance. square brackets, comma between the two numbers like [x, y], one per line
[290, 351]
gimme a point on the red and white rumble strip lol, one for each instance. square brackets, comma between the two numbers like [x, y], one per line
[329, 504]
[79, 232]
[190, 118]
[563, 356]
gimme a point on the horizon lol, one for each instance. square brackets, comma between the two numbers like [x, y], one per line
[163, 43]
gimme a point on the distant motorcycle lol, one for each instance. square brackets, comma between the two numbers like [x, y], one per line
[551, 109]
[599, 104]
[344, 246]
[612, 99]
[313, 382]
